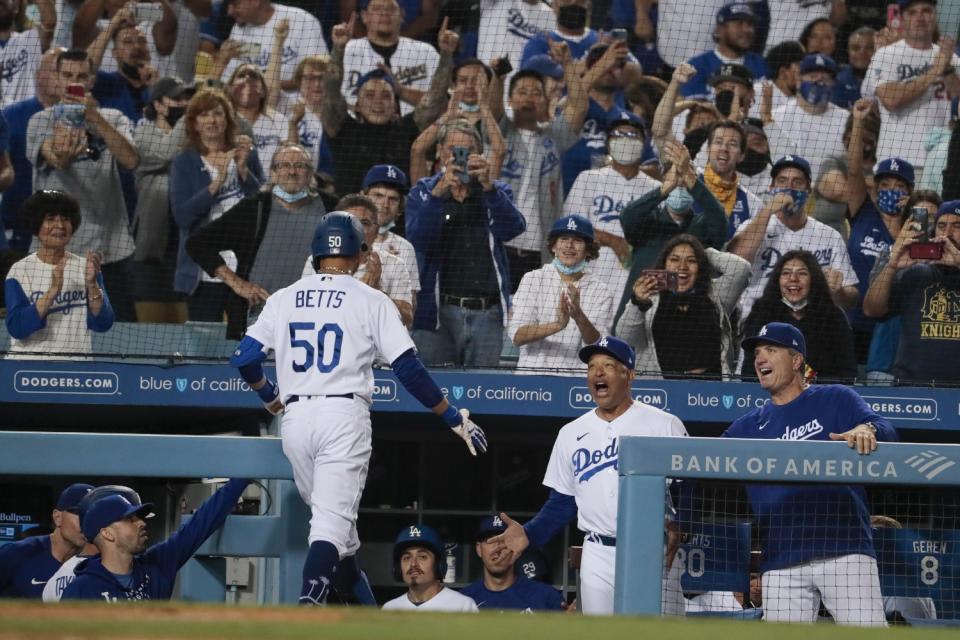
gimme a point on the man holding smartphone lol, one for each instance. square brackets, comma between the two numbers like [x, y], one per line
[926, 295]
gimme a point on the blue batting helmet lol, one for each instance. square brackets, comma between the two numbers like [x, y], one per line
[338, 234]
[419, 535]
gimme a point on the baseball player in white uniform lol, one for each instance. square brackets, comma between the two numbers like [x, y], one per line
[583, 480]
[326, 330]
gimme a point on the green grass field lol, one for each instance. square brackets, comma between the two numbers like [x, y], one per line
[100, 620]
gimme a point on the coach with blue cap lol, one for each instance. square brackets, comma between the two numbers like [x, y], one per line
[818, 546]
[584, 484]
[27, 565]
[562, 305]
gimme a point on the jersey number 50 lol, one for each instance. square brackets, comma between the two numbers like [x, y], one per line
[323, 365]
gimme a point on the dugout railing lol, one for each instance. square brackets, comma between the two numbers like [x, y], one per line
[646, 463]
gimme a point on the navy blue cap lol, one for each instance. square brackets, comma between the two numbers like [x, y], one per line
[490, 526]
[613, 347]
[627, 118]
[544, 65]
[818, 62]
[780, 334]
[897, 167]
[951, 207]
[70, 497]
[376, 74]
[386, 174]
[735, 11]
[732, 72]
[572, 226]
[108, 510]
[791, 161]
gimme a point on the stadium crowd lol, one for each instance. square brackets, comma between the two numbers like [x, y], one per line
[531, 176]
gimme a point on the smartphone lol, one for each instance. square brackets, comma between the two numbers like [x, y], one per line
[149, 12]
[502, 67]
[921, 216]
[76, 90]
[460, 156]
[70, 114]
[926, 250]
[666, 280]
[894, 20]
[249, 50]
[619, 34]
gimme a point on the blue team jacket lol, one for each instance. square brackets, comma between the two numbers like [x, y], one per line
[804, 522]
[524, 594]
[155, 571]
[25, 567]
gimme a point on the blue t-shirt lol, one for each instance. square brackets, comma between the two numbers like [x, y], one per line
[869, 237]
[707, 64]
[804, 522]
[25, 567]
[847, 89]
[524, 594]
[17, 116]
[538, 44]
[114, 92]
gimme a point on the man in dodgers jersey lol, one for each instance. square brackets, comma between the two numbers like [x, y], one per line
[817, 540]
[583, 480]
[327, 329]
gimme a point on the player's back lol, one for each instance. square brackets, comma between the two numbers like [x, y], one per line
[326, 331]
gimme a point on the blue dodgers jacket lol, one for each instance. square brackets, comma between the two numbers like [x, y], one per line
[155, 570]
[424, 228]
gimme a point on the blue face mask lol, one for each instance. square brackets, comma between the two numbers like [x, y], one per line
[679, 200]
[888, 199]
[469, 108]
[569, 271]
[816, 93]
[799, 200]
[390, 225]
[288, 197]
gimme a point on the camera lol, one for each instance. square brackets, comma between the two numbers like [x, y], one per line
[666, 280]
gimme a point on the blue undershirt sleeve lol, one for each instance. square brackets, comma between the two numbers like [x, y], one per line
[557, 512]
[416, 379]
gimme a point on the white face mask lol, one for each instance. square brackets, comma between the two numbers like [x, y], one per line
[626, 150]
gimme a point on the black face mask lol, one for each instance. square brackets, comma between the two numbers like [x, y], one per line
[174, 114]
[572, 16]
[724, 102]
[753, 162]
[131, 71]
[694, 140]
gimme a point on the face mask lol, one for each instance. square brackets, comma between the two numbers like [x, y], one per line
[390, 225]
[469, 108]
[816, 93]
[753, 163]
[573, 17]
[694, 140]
[174, 114]
[288, 197]
[799, 200]
[887, 200]
[724, 102]
[569, 271]
[679, 200]
[796, 306]
[626, 150]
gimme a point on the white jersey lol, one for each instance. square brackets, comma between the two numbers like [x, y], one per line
[536, 302]
[446, 600]
[903, 130]
[403, 249]
[182, 59]
[583, 463]
[824, 242]
[327, 331]
[269, 132]
[778, 100]
[600, 195]
[61, 579]
[394, 280]
[19, 61]
[413, 65]
[305, 39]
[812, 137]
[66, 329]
[507, 25]
[311, 135]
[789, 17]
[685, 29]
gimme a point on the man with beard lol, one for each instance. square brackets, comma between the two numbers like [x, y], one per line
[126, 569]
[733, 37]
[161, 35]
[419, 561]
[126, 89]
[20, 56]
[926, 295]
[500, 587]
[27, 565]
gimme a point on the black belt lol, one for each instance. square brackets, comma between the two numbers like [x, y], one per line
[472, 303]
[292, 399]
[606, 541]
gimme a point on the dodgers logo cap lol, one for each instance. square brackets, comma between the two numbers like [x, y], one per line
[818, 62]
[896, 167]
[108, 510]
[386, 174]
[490, 526]
[70, 497]
[735, 11]
[572, 226]
[612, 346]
[950, 207]
[792, 161]
[780, 334]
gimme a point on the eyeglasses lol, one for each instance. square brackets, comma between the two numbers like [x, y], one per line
[299, 166]
[367, 222]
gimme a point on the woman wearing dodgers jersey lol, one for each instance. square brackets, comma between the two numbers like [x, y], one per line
[816, 538]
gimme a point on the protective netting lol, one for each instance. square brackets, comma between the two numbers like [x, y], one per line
[529, 177]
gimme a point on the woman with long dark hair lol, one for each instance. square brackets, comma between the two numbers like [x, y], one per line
[797, 293]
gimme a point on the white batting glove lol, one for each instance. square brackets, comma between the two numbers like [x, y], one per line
[471, 433]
